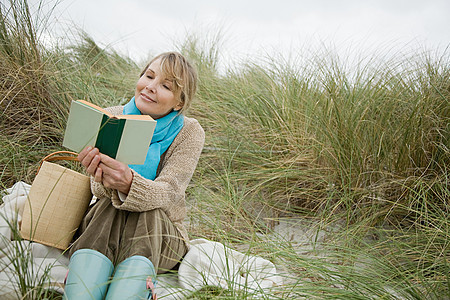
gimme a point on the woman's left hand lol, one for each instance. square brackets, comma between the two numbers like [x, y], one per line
[115, 174]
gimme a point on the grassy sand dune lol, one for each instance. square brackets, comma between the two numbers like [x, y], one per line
[336, 173]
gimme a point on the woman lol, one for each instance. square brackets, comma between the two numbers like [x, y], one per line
[136, 223]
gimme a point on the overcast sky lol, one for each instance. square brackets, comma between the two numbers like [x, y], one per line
[253, 27]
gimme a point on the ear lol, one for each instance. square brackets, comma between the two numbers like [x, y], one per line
[178, 106]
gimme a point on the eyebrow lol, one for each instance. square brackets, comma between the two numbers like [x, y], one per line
[165, 79]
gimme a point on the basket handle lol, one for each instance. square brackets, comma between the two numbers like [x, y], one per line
[55, 156]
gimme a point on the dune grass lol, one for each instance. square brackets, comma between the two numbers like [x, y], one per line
[359, 152]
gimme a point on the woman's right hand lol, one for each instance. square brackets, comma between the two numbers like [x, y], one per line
[90, 159]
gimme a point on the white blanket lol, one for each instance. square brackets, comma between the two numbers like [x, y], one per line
[206, 264]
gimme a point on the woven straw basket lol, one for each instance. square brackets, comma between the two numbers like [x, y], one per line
[57, 202]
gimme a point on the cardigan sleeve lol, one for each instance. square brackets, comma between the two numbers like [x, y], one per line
[168, 189]
[99, 190]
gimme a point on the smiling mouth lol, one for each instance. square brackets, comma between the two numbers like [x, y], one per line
[147, 98]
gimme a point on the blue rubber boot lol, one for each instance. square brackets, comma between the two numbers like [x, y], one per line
[88, 277]
[134, 278]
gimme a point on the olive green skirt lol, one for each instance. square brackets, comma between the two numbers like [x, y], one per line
[119, 234]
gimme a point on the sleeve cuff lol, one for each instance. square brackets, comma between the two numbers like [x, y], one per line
[122, 196]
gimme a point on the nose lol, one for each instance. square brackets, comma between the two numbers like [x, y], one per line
[151, 87]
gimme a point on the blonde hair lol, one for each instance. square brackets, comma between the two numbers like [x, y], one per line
[175, 68]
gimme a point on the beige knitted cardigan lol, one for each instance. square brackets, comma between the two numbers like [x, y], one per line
[174, 173]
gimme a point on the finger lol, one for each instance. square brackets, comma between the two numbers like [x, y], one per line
[83, 153]
[98, 175]
[108, 161]
[89, 156]
[113, 166]
[105, 168]
[93, 165]
[107, 180]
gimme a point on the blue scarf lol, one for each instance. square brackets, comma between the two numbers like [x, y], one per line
[166, 130]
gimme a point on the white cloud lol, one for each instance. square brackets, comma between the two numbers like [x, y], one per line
[142, 26]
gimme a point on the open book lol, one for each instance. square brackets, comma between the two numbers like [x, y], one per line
[123, 137]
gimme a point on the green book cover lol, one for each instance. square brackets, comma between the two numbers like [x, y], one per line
[125, 137]
[109, 135]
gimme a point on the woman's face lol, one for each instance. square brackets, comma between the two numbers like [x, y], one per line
[154, 94]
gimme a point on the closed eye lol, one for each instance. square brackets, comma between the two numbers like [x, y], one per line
[150, 74]
[167, 85]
